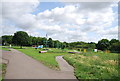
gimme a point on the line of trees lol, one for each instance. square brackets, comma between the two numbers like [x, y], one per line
[21, 38]
[113, 45]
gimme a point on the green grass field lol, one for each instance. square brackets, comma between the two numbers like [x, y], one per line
[94, 65]
[4, 48]
[46, 58]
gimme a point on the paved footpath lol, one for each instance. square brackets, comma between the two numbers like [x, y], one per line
[21, 66]
[64, 66]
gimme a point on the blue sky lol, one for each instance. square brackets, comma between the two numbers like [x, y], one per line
[47, 6]
[88, 22]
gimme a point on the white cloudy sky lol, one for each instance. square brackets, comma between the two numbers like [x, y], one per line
[80, 21]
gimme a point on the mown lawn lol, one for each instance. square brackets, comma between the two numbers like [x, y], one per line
[4, 48]
[94, 65]
[46, 58]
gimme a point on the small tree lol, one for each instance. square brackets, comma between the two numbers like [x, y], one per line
[21, 38]
[112, 41]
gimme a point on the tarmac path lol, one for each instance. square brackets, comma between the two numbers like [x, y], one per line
[21, 66]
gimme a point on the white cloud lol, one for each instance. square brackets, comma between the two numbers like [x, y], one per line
[8, 29]
[72, 22]
[111, 31]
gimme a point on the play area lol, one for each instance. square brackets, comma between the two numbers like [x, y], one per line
[72, 51]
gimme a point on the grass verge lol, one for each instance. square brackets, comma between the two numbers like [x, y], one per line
[2, 70]
[4, 48]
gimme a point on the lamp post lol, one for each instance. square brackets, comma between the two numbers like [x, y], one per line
[46, 41]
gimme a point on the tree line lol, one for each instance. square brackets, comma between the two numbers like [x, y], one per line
[21, 38]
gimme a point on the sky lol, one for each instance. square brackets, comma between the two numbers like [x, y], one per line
[64, 21]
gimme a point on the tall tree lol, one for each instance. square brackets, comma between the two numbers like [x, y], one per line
[44, 42]
[21, 38]
[50, 42]
[113, 41]
[103, 44]
[115, 47]
[56, 44]
[63, 45]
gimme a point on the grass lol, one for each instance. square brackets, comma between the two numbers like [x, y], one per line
[94, 65]
[47, 59]
[3, 69]
[4, 48]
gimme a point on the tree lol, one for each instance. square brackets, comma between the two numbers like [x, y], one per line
[21, 38]
[44, 41]
[50, 42]
[7, 39]
[36, 40]
[56, 44]
[63, 46]
[91, 46]
[115, 47]
[103, 44]
[113, 41]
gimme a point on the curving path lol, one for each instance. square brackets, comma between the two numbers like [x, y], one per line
[64, 66]
[21, 66]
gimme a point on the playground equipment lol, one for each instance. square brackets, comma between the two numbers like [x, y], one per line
[41, 46]
[85, 50]
[34, 46]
